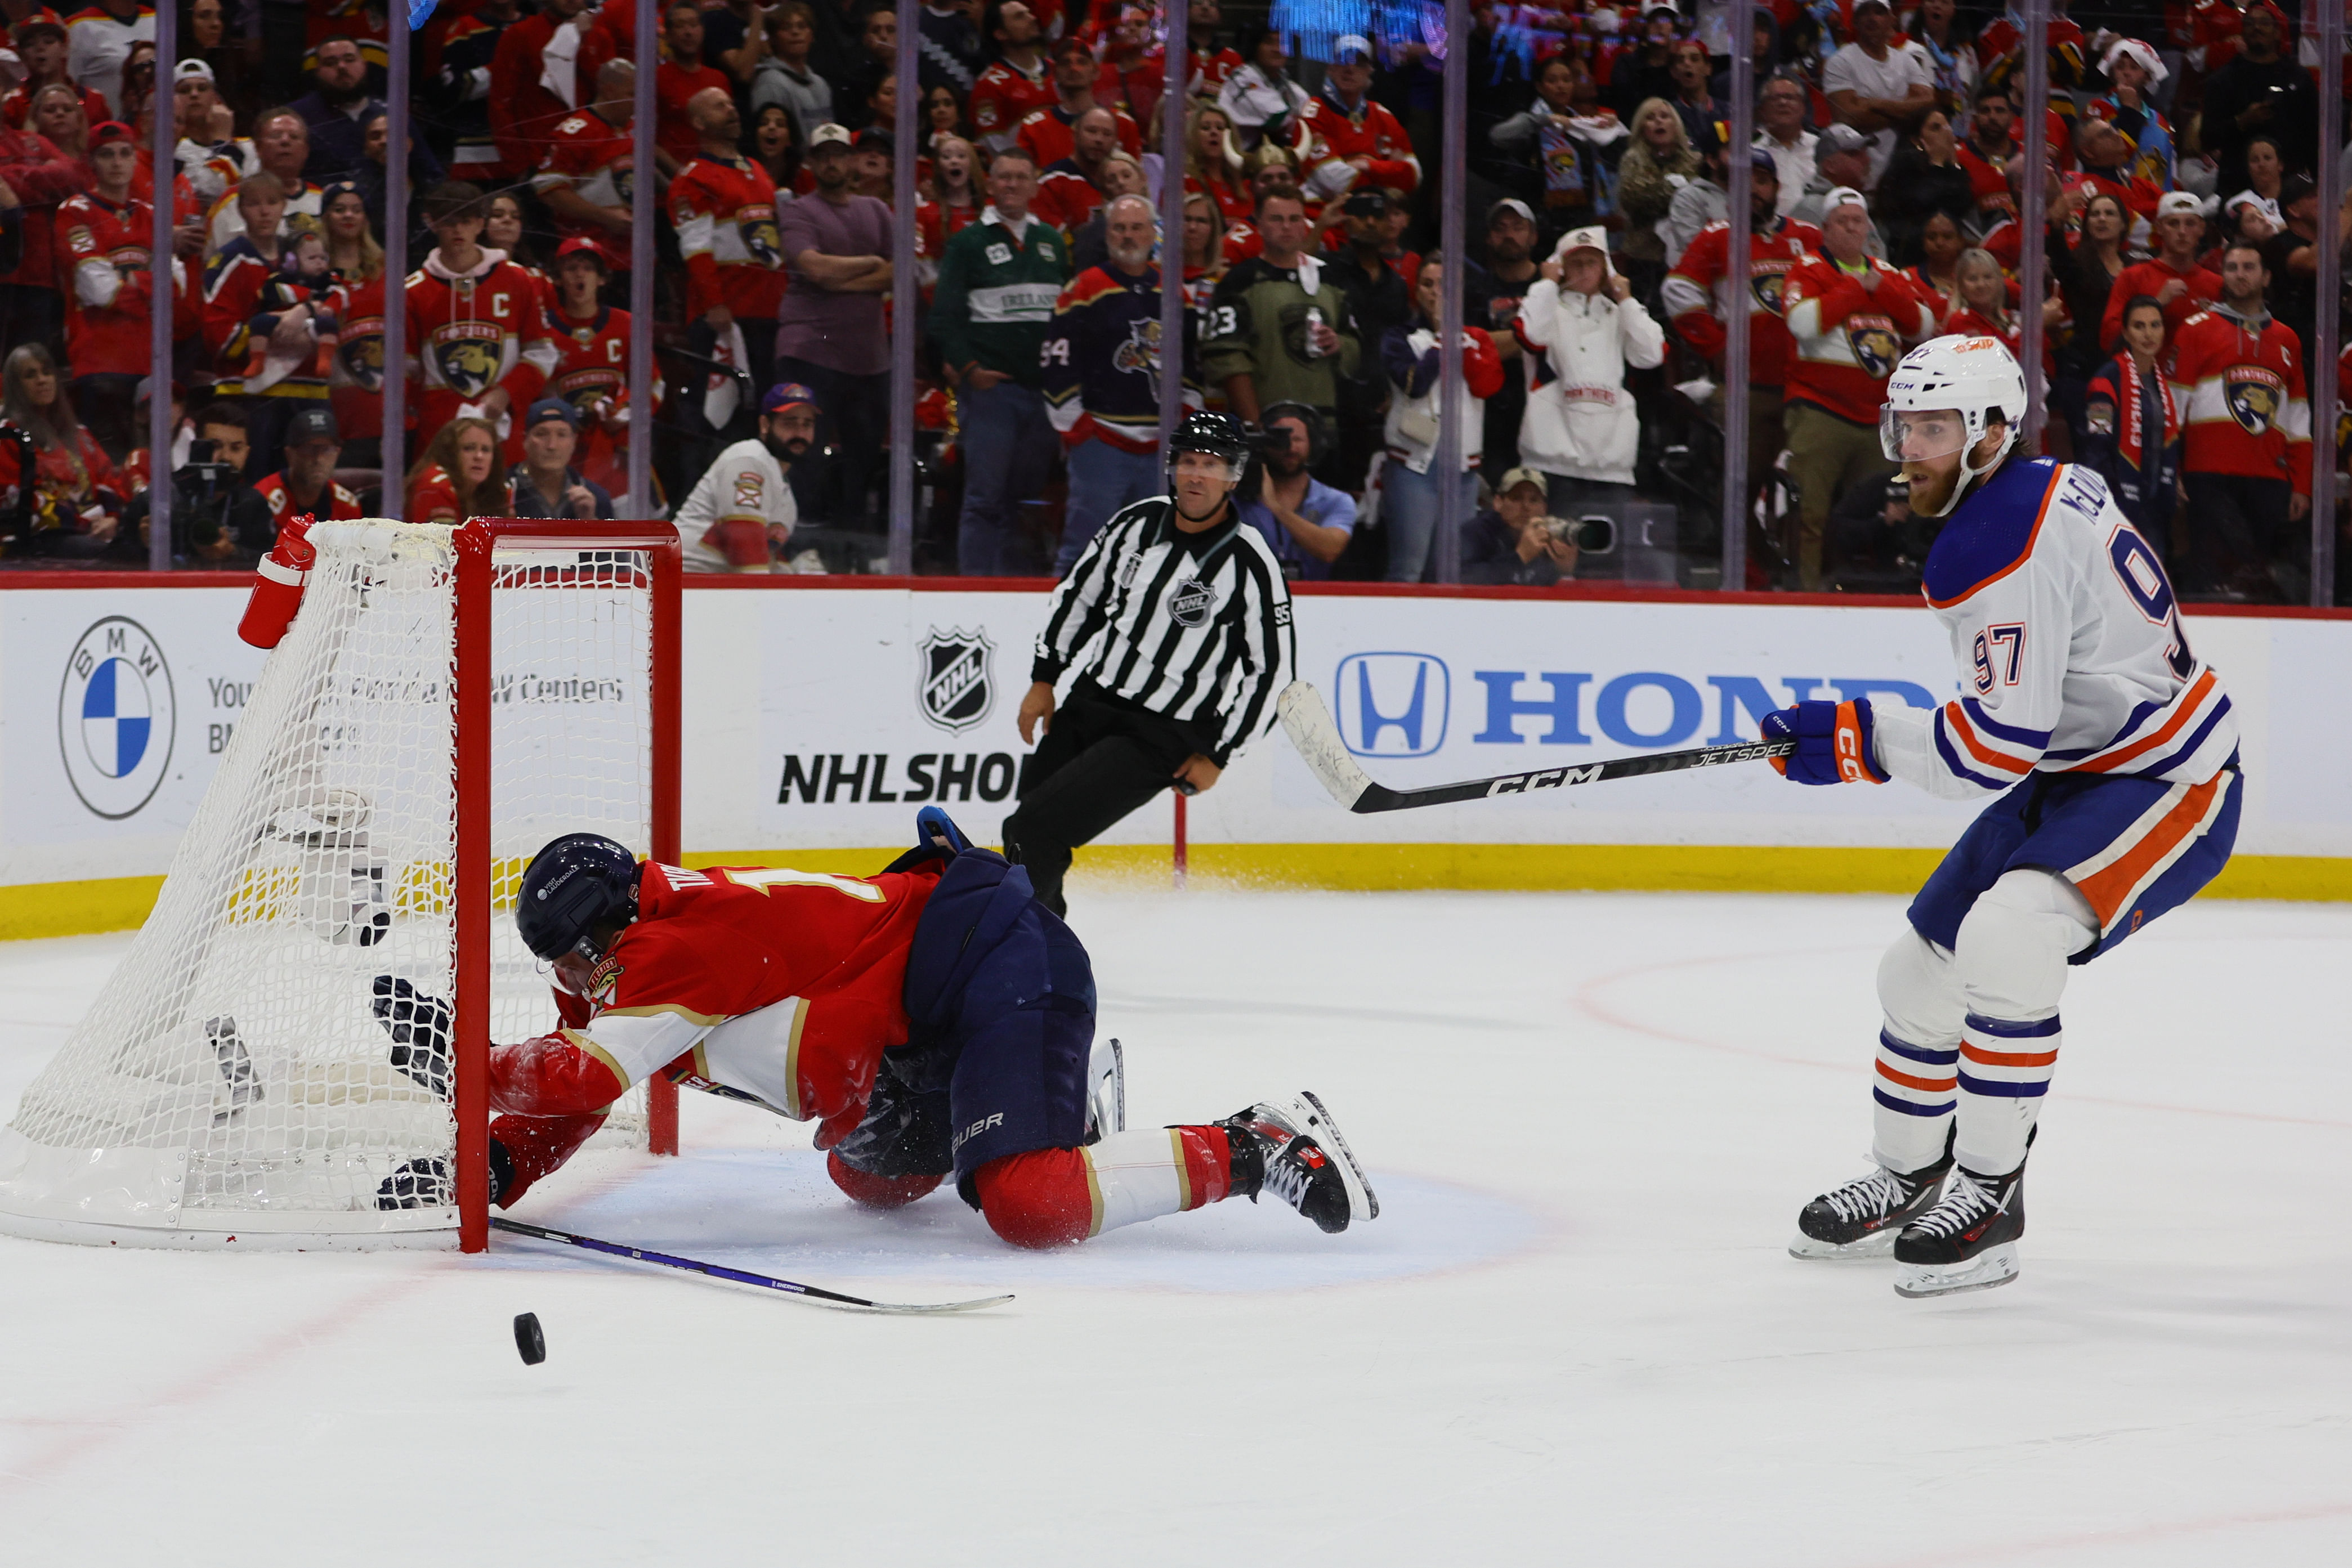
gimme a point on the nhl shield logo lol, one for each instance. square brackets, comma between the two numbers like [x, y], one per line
[1190, 602]
[2254, 396]
[1876, 348]
[952, 683]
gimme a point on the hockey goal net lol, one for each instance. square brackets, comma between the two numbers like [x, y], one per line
[446, 702]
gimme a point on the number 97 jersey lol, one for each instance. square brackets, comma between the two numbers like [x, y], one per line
[2071, 653]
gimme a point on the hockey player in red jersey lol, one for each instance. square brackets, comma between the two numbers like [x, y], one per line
[2108, 751]
[934, 1019]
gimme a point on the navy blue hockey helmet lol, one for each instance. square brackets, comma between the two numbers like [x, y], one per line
[579, 885]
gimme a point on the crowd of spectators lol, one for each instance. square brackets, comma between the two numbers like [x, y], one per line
[2180, 297]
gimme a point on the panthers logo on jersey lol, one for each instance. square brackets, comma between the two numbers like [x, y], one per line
[360, 351]
[1140, 353]
[1770, 289]
[1877, 347]
[2254, 396]
[761, 240]
[469, 361]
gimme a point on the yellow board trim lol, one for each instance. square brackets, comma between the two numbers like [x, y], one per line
[123, 904]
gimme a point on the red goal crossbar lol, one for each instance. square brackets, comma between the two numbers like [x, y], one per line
[477, 543]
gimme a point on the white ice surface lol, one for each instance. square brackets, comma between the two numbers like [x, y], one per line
[1572, 1337]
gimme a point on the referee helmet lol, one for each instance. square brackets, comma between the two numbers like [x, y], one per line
[1219, 434]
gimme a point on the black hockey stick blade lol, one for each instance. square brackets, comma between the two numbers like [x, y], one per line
[738, 1276]
[1307, 721]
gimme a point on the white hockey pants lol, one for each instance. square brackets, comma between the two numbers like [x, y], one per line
[1973, 1033]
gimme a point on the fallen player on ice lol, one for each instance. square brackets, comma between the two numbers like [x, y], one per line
[2112, 754]
[935, 1019]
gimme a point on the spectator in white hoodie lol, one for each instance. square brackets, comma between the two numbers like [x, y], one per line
[1581, 327]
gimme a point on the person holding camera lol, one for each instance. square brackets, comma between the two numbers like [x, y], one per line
[306, 485]
[1305, 522]
[1514, 541]
[217, 520]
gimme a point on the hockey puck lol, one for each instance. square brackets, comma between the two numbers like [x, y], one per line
[530, 1343]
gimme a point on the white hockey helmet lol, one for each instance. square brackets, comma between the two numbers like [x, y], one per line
[1979, 378]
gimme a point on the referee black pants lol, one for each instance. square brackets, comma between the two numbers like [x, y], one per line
[1101, 758]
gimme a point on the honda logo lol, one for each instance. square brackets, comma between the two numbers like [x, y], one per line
[1392, 704]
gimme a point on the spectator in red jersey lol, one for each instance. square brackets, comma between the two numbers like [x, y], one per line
[1050, 134]
[592, 362]
[478, 341]
[2237, 375]
[41, 51]
[102, 240]
[524, 111]
[2171, 277]
[1018, 84]
[1345, 140]
[1270, 168]
[78, 495]
[1705, 287]
[724, 209]
[459, 477]
[35, 176]
[680, 77]
[786, 78]
[952, 205]
[1991, 143]
[57, 114]
[1985, 311]
[355, 377]
[586, 177]
[1208, 166]
[1068, 192]
[1849, 315]
[306, 485]
[776, 149]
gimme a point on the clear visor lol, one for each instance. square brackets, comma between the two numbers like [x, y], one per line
[1204, 463]
[1920, 436]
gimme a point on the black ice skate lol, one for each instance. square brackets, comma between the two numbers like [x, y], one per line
[1967, 1241]
[1861, 1219]
[1294, 1151]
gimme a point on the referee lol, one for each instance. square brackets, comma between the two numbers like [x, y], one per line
[1182, 619]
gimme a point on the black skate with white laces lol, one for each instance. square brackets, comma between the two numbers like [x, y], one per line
[1294, 1150]
[1967, 1241]
[1862, 1218]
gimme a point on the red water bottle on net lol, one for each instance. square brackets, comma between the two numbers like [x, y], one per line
[278, 585]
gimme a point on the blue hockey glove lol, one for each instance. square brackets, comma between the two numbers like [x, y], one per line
[933, 826]
[1834, 743]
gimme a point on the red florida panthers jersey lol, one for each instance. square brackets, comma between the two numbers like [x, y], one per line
[1699, 291]
[470, 332]
[782, 984]
[1848, 339]
[1004, 96]
[103, 253]
[592, 374]
[1047, 137]
[596, 159]
[726, 218]
[1329, 134]
[2240, 391]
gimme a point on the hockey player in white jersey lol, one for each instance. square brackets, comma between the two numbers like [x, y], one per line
[2109, 752]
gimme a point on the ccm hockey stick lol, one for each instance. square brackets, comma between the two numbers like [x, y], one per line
[738, 1276]
[1309, 723]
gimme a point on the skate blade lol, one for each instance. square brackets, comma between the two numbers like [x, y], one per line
[1318, 1125]
[1988, 1270]
[1877, 1244]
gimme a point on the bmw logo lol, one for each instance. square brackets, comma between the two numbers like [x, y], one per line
[116, 717]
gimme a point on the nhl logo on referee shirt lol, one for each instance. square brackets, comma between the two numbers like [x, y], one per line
[116, 717]
[953, 682]
[1191, 600]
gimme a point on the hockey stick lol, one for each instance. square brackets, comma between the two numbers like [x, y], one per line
[738, 1276]
[1309, 723]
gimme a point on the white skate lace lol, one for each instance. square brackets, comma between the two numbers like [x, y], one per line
[1964, 1202]
[1879, 1193]
[1286, 1178]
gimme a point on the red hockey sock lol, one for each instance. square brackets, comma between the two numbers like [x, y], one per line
[536, 1146]
[1049, 1197]
[875, 1191]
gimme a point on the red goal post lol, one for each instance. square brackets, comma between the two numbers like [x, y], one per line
[480, 545]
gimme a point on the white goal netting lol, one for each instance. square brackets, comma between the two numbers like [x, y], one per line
[232, 1078]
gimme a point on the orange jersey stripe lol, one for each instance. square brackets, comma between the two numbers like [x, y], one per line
[2197, 694]
[2107, 889]
[1976, 748]
[2007, 1058]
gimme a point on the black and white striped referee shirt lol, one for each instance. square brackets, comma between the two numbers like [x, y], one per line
[1190, 626]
